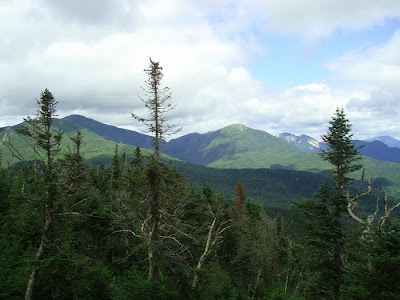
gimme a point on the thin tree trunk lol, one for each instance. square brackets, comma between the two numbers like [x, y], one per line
[204, 255]
[337, 261]
[39, 255]
[155, 181]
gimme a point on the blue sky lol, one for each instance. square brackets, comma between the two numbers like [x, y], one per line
[278, 66]
[290, 61]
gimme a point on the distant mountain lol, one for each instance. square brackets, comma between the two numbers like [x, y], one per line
[237, 146]
[112, 133]
[233, 147]
[94, 146]
[374, 149]
[378, 150]
[273, 188]
[388, 140]
[302, 141]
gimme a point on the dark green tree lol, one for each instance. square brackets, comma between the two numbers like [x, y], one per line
[45, 141]
[342, 154]
[318, 235]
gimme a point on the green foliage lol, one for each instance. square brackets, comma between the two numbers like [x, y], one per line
[319, 235]
[342, 153]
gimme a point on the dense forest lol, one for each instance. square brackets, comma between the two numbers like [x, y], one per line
[138, 230]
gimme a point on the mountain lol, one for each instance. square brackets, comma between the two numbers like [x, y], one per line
[274, 188]
[112, 133]
[374, 148]
[378, 150]
[388, 140]
[237, 146]
[232, 147]
[94, 146]
[302, 141]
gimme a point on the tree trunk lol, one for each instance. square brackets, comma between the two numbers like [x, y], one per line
[337, 260]
[155, 183]
[204, 255]
[39, 255]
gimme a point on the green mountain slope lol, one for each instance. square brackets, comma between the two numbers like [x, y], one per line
[239, 147]
[225, 144]
[233, 147]
[112, 133]
[94, 146]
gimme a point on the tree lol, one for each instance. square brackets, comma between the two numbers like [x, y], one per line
[341, 153]
[158, 106]
[157, 103]
[320, 218]
[46, 144]
[317, 232]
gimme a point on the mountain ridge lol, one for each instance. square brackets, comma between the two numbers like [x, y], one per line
[232, 147]
[113, 133]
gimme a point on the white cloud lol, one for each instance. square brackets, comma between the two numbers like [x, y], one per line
[91, 55]
[312, 20]
[374, 71]
[376, 67]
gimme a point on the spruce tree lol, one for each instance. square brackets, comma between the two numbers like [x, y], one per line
[157, 124]
[45, 141]
[341, 153]
[157, 103]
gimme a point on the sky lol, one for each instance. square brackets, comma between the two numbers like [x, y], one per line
[278, 66]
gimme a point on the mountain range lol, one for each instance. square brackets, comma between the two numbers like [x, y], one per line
[190, 147]
[388, 140]
[384, 148]
[274, 169]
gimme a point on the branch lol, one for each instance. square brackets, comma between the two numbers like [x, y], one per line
[127, 231]
[388, 210]
[352, 203]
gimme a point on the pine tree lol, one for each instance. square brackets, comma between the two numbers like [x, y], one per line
[157, 103]
[157, 123]
[341, 153]
[46, 143]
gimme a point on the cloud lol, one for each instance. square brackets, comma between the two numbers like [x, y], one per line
[376, 67]
[120, 14]
[91, 55]
[376, 72]
[312, 20]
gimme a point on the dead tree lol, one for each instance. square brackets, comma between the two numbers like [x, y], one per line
[214, 237]
[387, 210]
[367, 222]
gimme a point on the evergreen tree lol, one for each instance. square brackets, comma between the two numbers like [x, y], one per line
[342, 154]
[46, 144]
[317, 233]
[158, 106]
[157, 103]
